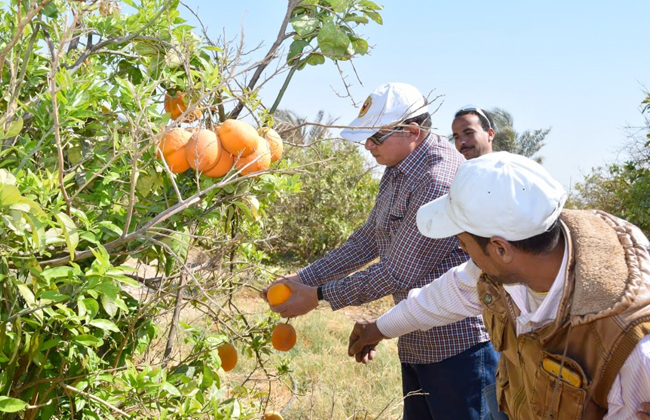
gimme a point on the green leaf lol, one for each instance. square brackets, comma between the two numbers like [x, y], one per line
[171, 389]
[356, 18]
[49, 344]
[111, 227]
[316, 59]
[69, 231]
[332, 40]
[375, 16]
[57, 272]
[88, 340]
[295, 49]
[26, 293]
[54, 296]
[14, 128]
[104, 324]
[339, 6]
[51, 10]
[9, 195]
[360, 46]
[109, 305]
[304, 25]
[11, 405]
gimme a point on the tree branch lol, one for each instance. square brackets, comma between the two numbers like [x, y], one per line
[269, 55]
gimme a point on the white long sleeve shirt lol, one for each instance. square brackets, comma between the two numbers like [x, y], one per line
[454, 297]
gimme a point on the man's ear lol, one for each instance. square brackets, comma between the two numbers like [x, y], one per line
[491, 134]
[502, 249]
[413, 129]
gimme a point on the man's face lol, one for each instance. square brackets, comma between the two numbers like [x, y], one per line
[470, 138]
[486, 259]
[393, 149]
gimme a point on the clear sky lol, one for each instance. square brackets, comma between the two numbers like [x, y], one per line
[577, 66]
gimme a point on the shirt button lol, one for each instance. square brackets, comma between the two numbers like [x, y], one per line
[487, 299]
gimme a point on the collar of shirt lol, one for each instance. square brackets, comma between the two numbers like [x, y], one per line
[547, 311]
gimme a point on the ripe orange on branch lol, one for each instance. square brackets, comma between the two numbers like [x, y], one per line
[259, 160]
[175, 105]
[203, 150]
[238, 137]
[224, 164]
[275, 142]
[172, 149]
[283, 337]
[272, 415]
[278, 294]
[228, 356]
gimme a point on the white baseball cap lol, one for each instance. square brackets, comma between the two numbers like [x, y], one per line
[386, 106]
[497, 194]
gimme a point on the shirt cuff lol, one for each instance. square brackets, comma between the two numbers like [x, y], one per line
[394, 323]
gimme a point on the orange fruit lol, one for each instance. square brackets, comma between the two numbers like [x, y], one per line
[238, 137]
[202, 150]
[278, 294]
[175, 105]
[283, 337]
[272, 415]
[224, 164]
[256, 161]
[172, 149]
[228, 356]
[275, 142]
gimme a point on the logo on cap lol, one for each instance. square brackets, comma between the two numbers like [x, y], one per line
[365, 107]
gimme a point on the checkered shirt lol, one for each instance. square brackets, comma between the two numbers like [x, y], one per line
[407, 259]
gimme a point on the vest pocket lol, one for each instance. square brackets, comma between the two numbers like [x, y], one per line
[559, 398]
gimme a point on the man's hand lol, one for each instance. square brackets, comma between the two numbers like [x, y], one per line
[363, 341]
[303, 298]
[644, 414]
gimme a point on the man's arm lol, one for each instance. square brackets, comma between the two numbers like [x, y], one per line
[412, 257]
[631, 388]
[450, 298]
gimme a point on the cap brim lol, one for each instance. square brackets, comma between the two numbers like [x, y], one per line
[357, 134]
[434, 222]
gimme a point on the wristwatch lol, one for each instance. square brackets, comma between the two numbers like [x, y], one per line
[319, 293]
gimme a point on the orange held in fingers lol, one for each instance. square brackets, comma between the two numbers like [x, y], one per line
[238, 137]
[202, 150]
[172, 149]
[228, 356]
[278, 294]
[283, 337]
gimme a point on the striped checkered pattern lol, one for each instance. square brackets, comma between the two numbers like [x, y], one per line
[407, 259]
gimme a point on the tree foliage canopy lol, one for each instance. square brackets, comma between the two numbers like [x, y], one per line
[82, 191]
[508, 139]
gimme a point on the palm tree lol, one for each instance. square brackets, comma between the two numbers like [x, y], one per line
[508, 139]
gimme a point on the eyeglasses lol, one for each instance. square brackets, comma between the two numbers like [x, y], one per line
[382, 138]
[479, 111]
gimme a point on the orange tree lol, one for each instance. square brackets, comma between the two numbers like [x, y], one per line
[84, 200]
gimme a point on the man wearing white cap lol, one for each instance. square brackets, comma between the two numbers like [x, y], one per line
[565, 294]
[446, 367]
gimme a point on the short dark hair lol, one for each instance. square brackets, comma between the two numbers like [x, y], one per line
[536, 245]
[487, 121]
[423, 120]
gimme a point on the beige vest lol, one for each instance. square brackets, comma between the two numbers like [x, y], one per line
[604, 312]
